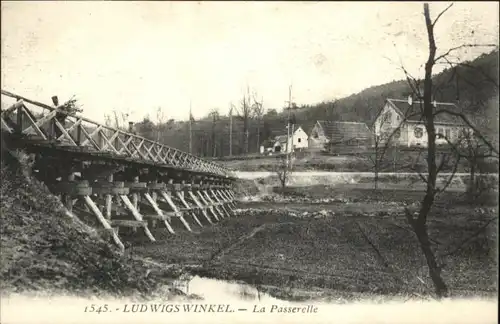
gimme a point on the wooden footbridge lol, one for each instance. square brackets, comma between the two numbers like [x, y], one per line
[114, 179]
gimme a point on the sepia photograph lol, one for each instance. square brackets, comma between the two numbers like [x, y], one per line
[249, 162]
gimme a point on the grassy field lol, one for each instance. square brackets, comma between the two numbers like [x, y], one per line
[332, 246]
[394, 160]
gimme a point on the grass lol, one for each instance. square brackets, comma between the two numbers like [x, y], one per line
[331, 252]
[401, 160]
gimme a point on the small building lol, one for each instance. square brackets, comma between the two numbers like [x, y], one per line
[329, 135]
[297, 142]
[400, 122]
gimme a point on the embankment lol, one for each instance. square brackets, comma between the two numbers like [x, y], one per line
[43, 249]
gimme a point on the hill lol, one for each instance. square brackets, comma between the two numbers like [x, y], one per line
[473, 84]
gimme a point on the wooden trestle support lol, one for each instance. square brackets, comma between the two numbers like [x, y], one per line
[139, 200]
[119, 179]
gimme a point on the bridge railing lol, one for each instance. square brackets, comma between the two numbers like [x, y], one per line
[48, 123]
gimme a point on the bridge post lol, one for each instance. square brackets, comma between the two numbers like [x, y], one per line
[213, 192]
[146, 186]
[223, 201]
[194, 187]
[205, 202]
[167, 196]
[204, 196]
[180, 190]
[225, 192]
[216, 204]
[152, 197]
[76, 195]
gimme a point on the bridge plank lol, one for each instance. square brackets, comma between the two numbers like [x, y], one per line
[128, 223]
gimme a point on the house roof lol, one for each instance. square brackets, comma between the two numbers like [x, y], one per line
[415, 115]
[308, 125]
[344, 131]
[281, 138]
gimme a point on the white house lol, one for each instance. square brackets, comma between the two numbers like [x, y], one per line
[403, 121]
[298, 141]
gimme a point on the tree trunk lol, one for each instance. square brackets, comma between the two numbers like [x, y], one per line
[420, 224]
[376, 165]
[472, 181]
[420, 230]
[258, 135]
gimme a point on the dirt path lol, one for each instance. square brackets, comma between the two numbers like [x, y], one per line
[218, 254]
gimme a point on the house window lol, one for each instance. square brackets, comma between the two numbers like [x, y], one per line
[299, 140]
[418, 132]
[448, 133]
[387, 117]
[397, 133]
[398, 118]
[315, 134]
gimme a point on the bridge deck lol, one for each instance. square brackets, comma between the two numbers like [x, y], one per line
[39, 126]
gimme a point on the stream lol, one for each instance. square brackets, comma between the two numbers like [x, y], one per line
[222, 290]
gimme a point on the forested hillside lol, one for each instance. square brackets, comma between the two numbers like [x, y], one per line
[473, 85]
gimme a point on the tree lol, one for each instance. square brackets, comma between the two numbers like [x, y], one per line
[258, 112]
[146, 128]
[282, 170]
[244, 114]
[231, 108]
[160, 119]
[107, 120]
[214, 115]
[384, 135]
[271, 113]
[121, 119]
[429, 111]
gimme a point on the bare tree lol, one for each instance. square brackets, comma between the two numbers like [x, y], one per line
[231, 109]
[258, 112]
[476, 152]
[160, 120]
[214, 114]
[107, 120]
[381, 140]
[429, 111]
[244, 113]
[282, 170]
[385, 138]
[121, 119]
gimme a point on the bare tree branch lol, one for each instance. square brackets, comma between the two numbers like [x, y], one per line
[440, 14]
[460, 47]
[450, 178]
[469, 124]
[461, 244]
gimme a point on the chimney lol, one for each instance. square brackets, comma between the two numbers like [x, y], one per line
[55, 101]
[131, 127]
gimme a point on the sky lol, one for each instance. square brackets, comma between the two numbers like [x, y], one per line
[134, 57]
